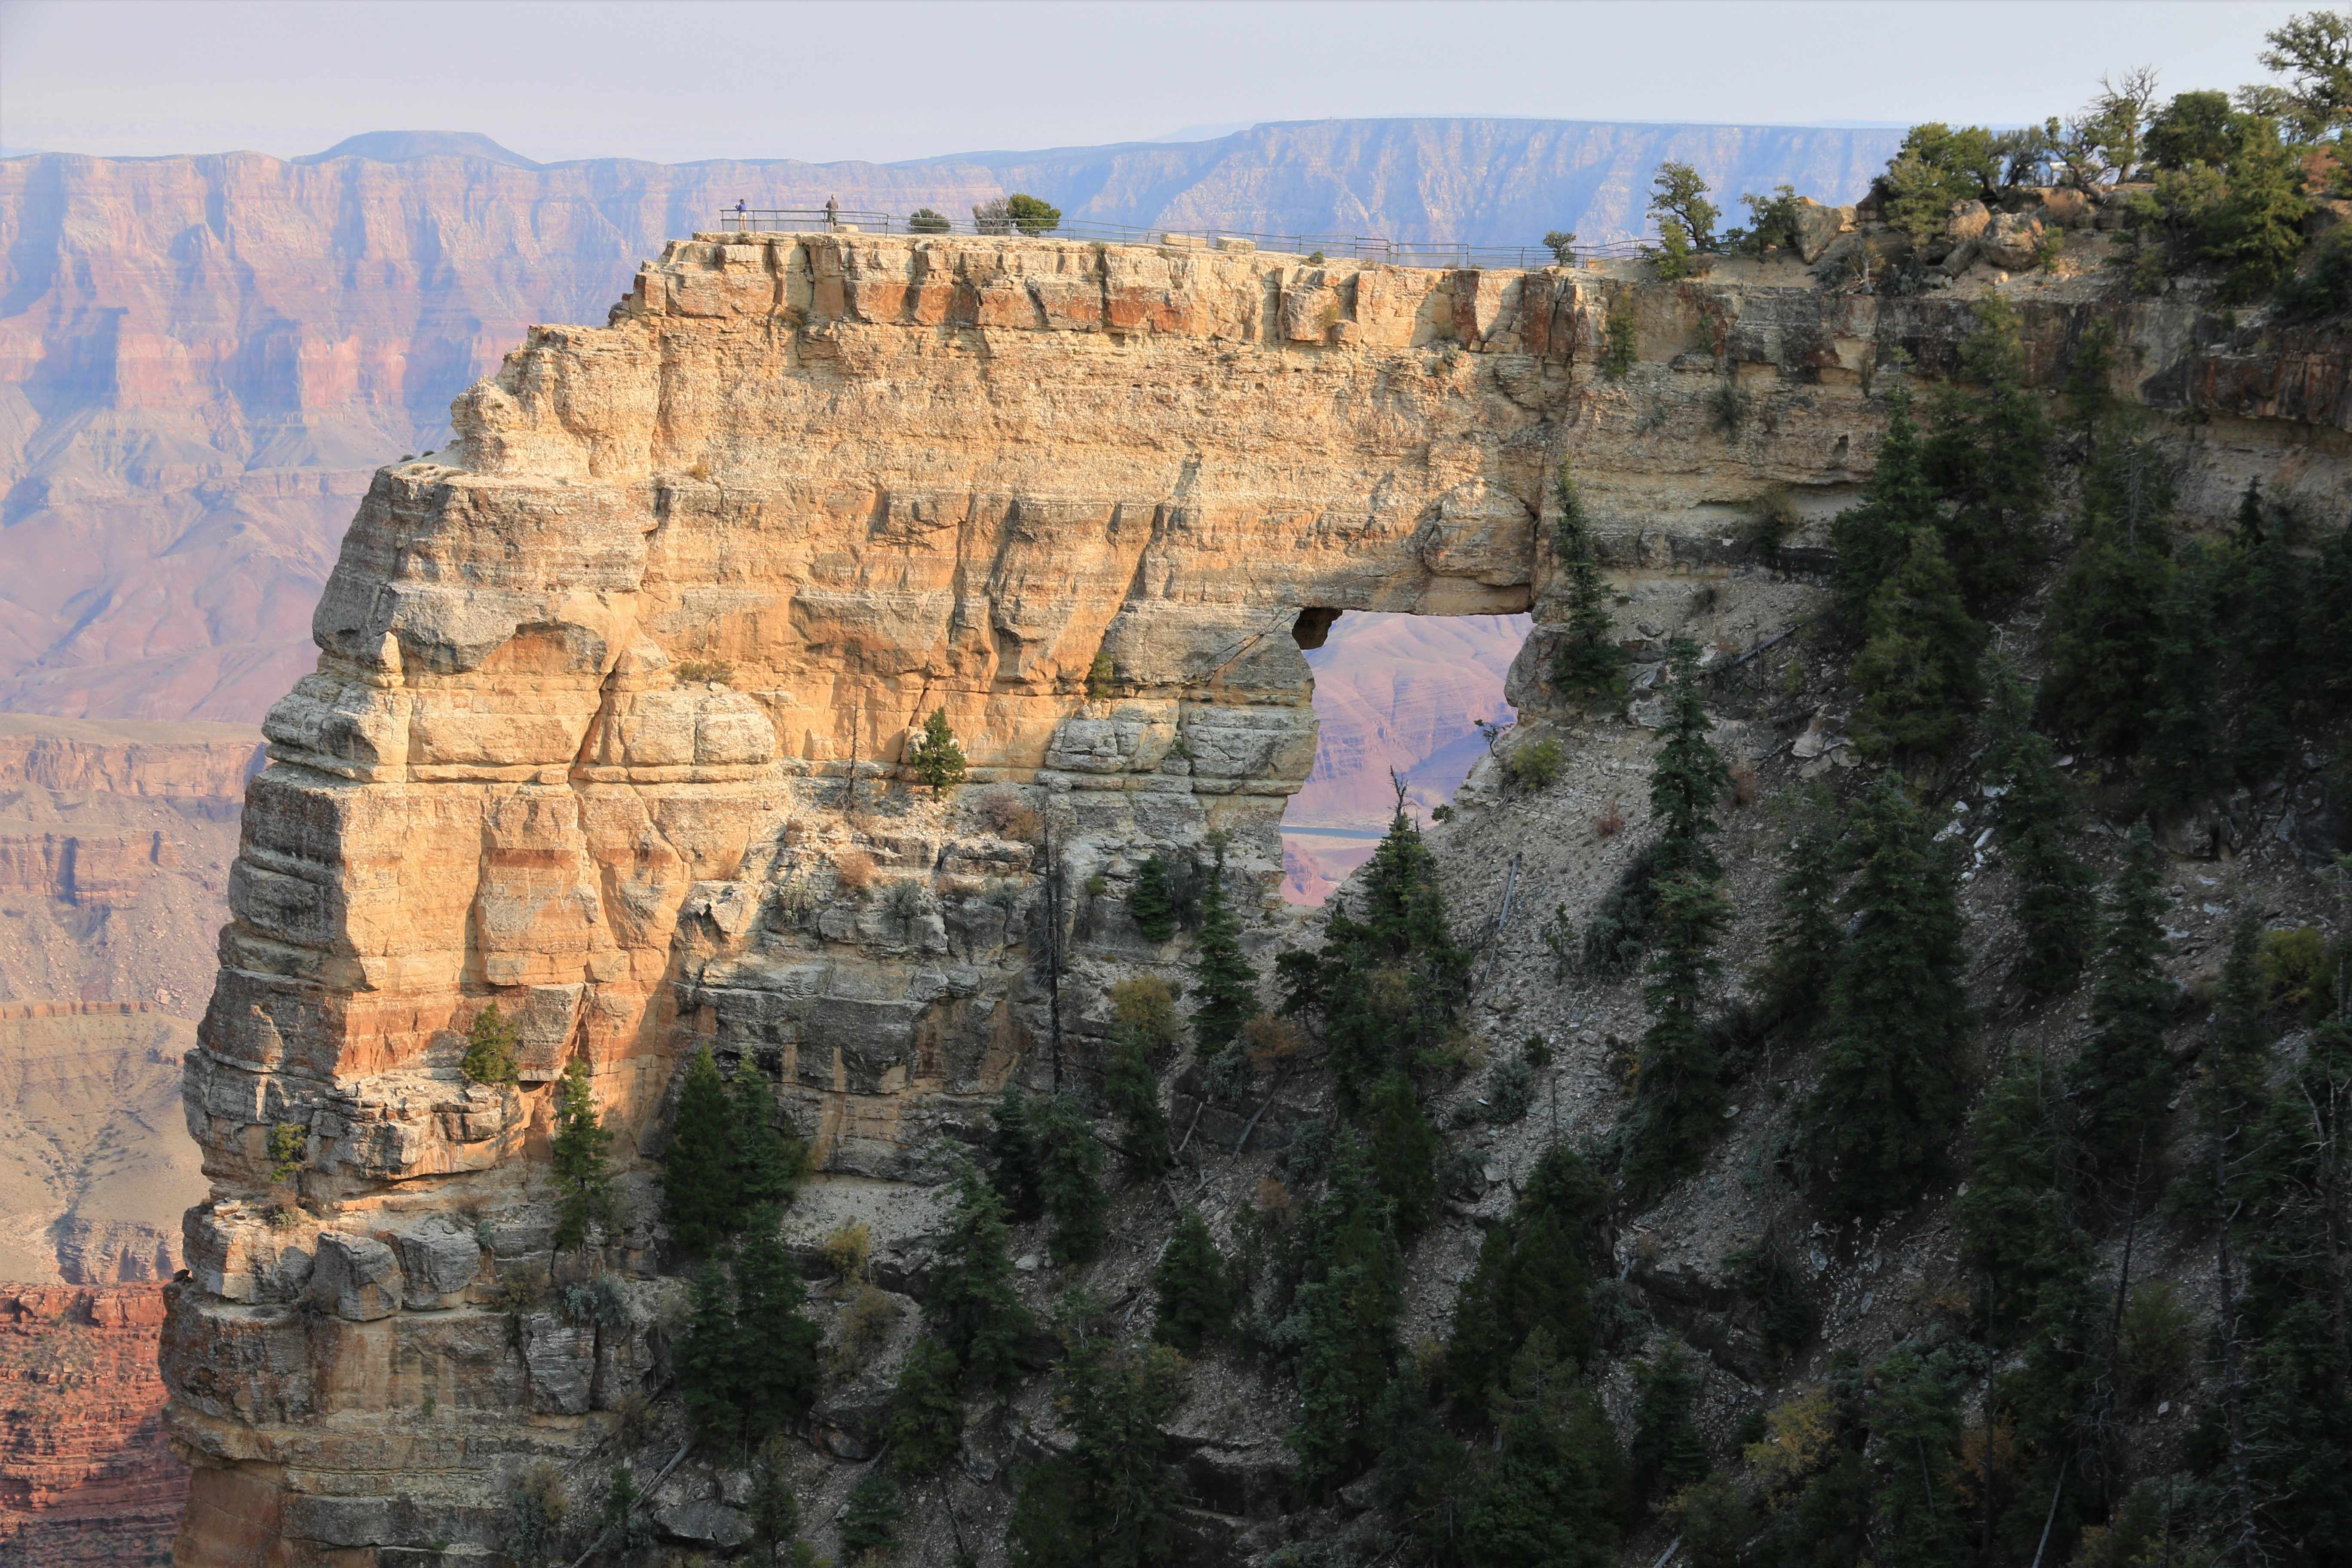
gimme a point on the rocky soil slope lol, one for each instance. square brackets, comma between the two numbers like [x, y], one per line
[612, 693]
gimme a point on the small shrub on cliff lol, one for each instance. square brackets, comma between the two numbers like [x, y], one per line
[1618, 352]
[863, 1328]
[938, 758]
[1536, 765]
[1561, 243]
[923, 220]
[536, 1507]
[700, 672]
[1009, 816]
[489, 1047]
[290, 1145]
[1151, 904]
[854, 869]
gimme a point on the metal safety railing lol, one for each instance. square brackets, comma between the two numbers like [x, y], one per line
[1353, 246]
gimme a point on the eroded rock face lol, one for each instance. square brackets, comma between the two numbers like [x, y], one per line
[610, 708]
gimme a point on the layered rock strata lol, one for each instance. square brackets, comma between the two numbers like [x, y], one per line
[86, 1477]
[612, 699]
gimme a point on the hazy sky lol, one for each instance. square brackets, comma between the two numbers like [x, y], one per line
[675, 81]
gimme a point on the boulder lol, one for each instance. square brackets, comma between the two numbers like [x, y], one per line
[1818, 226]
[355, 1276]
[2012, 242]
[704, 1524]
[437, 1264]
[1968, 220]
[2064, 207]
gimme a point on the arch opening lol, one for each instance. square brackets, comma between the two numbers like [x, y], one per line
[1391, 690]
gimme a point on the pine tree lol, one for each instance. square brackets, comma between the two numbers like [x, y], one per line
[775, 1342]
[1588, 666]
[490, 1042]
[2106, 623]
[1424, 1478]
[2016, 1220]
[973, 1307]
[1131, 1091]
[2256, 232]
[1404, 1149]
[772, 1508]
[1873, 538]
[1800, 952]
[1890, 1093]
[1349, 1305]
[1555, 1495]
[1689, 777]
[1069, 1177]
[708, 1358]
[1111, 1500]
[938, 758]
[1193, 1295]
[1918, 673]
[2124, 1076]
[2035, 816]
[1224, 979]
[1915, 1411]
[870, 1522]
[1151, 904]
[1386, 987]
[2182, 745]
[1535, 1270]
[1015, 1162]
[925, 1421]
[769, 1162]
[1679, 1092]
[582, 1175]
[1669, 1452]
[2274, 656]
[1990, 460]
[699, 1197]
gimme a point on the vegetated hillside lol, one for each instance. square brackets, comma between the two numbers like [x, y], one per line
[203, 358]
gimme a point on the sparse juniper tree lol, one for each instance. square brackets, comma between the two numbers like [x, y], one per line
[1800, 952]
[1919, 672]
[1891, 1092]
[1192, 1290]
[584, 1176]
[1988, 459]
[2034, 816]
[973, 1308]
[1679, 1092]
[1686, 218]
[938, 758]
[1689, 777]
[1874, 539]
[699, 1188]
[1588, 666]
[1535, 1270]
[2124, 1076]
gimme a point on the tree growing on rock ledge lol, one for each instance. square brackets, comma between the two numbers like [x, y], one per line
[1588, 666]
[583, 1173]
[938, 757]
[1686, 219]
[489, 1047]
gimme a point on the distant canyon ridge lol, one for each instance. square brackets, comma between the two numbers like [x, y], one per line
[204, 358]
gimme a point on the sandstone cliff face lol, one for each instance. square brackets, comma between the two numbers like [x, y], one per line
[610, 695]
[203, 358]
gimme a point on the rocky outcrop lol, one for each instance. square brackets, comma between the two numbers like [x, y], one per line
[611, 707]
[86, 1477]
[142, 760]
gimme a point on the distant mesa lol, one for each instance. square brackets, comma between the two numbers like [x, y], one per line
[406, 146]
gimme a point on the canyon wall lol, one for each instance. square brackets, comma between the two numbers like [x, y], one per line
[613, 693]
